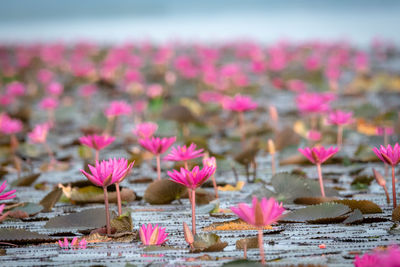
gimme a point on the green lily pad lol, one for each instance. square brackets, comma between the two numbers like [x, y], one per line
[322, 213]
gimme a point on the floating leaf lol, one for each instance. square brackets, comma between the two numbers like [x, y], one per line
[87, 219]
[239, 185]
[322, 213]
[203, 196]
[361, 182]
[289, 187]
[163, 192]
[355, 217]
[28, 207]
[365, 206]
[22, 236]
[313, 200]
[94, 194]
[364, 153]
[243, 263]
[208, 242]
[26, 180]
[235, 225]
[51, 199]
[396, 214]
[122, 223]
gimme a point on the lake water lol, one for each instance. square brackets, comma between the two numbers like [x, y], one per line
[116, 21]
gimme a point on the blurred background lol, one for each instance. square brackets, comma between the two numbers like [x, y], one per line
[358, 21]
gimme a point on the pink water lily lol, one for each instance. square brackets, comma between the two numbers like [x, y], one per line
[97, 142]
[145, 129]
[106, 173]
[157, 146]
[260, 214]
[39, 136]
[211, 162]
[6, 195]
[388, 258]
[319, 155]
[390, 155]
[192, 179]
[340, 118]
[183, 153]
[152, 236]
[74, 243]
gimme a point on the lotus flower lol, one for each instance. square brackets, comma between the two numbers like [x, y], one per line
[39, 135]
[6, 195]
[340, 118]
[183, 153]
[74, 243]
[9, 125]
[390, 155]
[16, 89]
[107, 173]
[49, 103]
[118, 108]
[240, 104]
[157, 146]
[192, 179]
[97, 142]
[152, 236]
[145, 130]
[388, 258]
[319, 155]
[211, 162]
[262, 213]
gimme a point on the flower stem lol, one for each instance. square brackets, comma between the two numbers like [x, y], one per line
[186, 165]
[158, 167]
[261, 245]
[339, 136]
[273, 164]
[118, 199]
[394, 189]
[193, 192]
[321, 182]
[50, 152]
[96, 156]
[242, 129]
[215, 186]
[107, 210]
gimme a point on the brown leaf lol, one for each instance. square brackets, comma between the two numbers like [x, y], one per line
[26, 180]
[313, 200]
[51, 199]
[163, 192]
[122, 223]
[18, 214]
[365, 206]
[396, 214]
[22, 236]
[208, 242]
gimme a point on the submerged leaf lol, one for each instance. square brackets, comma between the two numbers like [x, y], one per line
[322, 213]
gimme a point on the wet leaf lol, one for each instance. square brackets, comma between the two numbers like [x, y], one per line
[313, 200]
[87, 219]
[288, 187]
[163, 192]
[234, 225]
[322, 213]
[243, 263]
[365, 206]
[122, 223]
[203, 196]
[354, 218]
[364, 153]
[208, 242]
[51, 199]
[208, 208]
[22, 236]
[396, 214]
[94, 194]
[248, 242]
[26, 180]
[28, 207]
